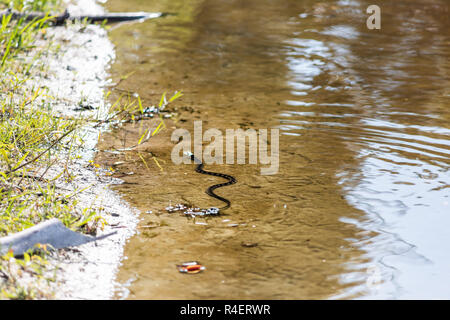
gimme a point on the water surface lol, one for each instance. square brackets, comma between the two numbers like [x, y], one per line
[360, 205]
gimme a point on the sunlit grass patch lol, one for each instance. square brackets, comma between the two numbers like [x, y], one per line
[33, 142]
[31, 5]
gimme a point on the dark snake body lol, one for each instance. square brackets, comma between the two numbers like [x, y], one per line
[210, 190]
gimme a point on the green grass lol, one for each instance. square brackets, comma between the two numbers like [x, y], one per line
[32, 141]
[33, 5]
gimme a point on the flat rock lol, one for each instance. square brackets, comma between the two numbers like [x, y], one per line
[51, 232]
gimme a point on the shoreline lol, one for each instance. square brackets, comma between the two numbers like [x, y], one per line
[88, 272]
[75, 80]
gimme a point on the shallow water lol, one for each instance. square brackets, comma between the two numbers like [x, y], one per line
[360, 205]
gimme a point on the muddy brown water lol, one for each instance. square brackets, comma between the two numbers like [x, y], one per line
[360, 205]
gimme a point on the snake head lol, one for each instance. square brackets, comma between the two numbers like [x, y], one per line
[191, 155]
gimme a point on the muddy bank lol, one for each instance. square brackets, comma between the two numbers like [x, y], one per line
[77, 77]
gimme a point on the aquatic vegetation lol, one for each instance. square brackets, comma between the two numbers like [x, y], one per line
[129, 108]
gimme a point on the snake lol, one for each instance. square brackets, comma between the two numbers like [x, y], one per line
[210, 190]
